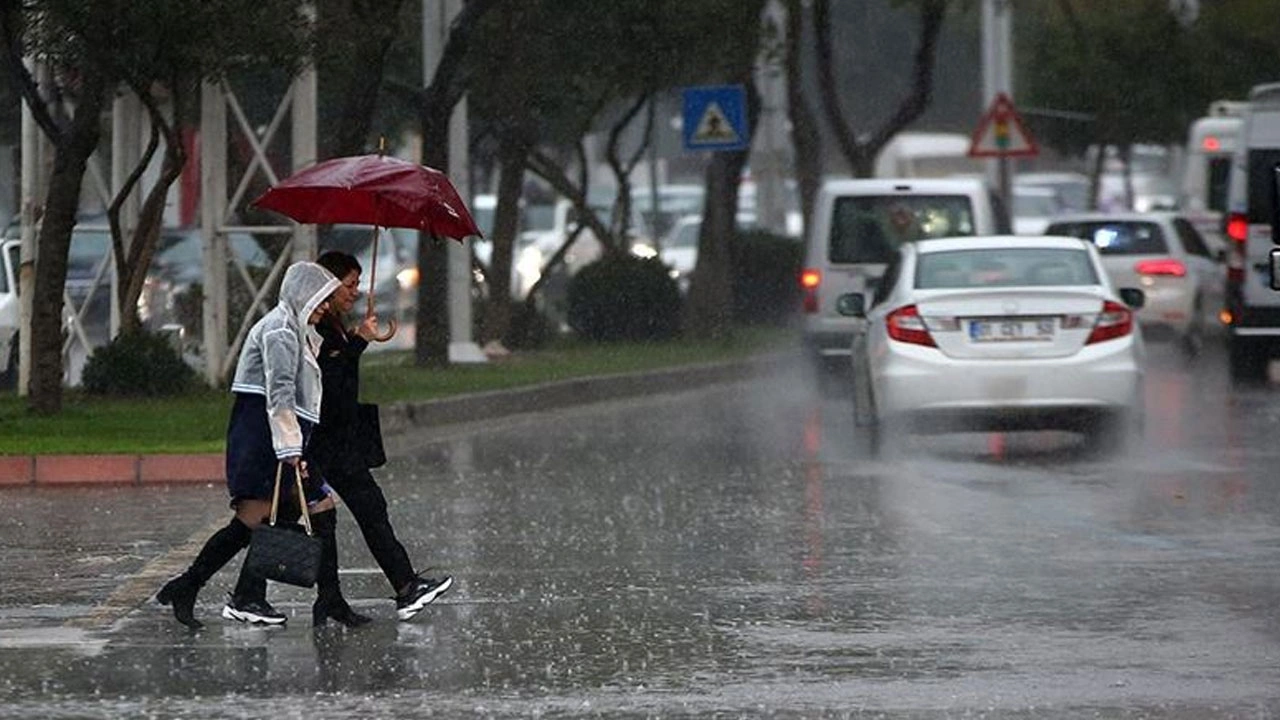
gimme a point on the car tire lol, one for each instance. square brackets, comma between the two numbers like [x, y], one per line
[1247, 360]
[1114, 434]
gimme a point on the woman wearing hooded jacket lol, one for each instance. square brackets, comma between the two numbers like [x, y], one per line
[277, 390]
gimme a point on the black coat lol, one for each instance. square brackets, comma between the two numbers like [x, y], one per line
[334, 444]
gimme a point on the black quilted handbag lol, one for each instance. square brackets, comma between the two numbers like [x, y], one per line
[289, 552]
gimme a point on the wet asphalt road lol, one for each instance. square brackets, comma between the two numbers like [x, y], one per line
[721, 552]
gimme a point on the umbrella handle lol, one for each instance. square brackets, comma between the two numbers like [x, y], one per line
[390, 333]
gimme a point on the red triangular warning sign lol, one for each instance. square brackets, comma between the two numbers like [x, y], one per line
[1001, 133]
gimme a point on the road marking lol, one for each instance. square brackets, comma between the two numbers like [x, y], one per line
[145, 583]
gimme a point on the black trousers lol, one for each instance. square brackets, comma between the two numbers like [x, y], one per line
[366, 503]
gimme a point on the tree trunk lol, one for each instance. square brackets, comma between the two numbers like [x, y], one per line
[506, 224]
[858, 152]
[71, 155]
[376, 28]
[709, 308]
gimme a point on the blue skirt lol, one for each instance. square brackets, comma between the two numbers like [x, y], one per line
[251, 459]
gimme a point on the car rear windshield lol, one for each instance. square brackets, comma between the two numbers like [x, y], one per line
[1000, 267]
[1117, 238]
[871, 228]
[1262, 183]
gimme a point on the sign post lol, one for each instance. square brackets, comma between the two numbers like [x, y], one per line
[1001, 134]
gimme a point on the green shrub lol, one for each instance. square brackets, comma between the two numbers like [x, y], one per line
[530, 327]
[137, 364]
[624, 297]
[765, 278]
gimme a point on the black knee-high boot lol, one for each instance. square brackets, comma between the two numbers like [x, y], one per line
[181, 591]
[329, 601]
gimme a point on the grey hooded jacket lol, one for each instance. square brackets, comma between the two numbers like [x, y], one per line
[278, 359]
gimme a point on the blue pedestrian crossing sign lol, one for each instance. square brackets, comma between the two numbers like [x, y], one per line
[715, 118]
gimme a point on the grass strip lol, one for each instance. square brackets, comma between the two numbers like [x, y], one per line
[196, 422]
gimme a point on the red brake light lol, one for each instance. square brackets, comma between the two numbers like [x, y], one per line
[1114, 321]
[906, 325]
[1237, 227]
[1165, 266]
[810, 279]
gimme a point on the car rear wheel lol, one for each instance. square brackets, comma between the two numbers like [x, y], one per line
[1247, 360]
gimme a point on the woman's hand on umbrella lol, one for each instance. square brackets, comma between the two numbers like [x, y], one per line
[368, 328]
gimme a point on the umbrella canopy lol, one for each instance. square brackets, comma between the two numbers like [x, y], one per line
[374, 190]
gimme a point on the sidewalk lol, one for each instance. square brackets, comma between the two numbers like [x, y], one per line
[397, 419]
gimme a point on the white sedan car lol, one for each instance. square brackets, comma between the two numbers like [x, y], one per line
[997, 333]
[1164, 255]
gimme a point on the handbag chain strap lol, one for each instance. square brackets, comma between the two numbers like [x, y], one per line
[302, 498]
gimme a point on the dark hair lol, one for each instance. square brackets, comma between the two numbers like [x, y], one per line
[338, 263]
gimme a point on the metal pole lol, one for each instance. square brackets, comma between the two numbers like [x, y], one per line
[213, 201]
[126, 129]
[437, 15]
[997, 75]
[36, 155]
[304, 152]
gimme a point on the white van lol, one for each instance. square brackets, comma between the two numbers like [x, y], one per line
[1211, 141]
[9, 259]
[856, 229]
[1252, 307]
[914, 154]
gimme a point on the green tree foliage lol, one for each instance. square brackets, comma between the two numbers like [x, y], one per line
[1139, 70]
[158, 49]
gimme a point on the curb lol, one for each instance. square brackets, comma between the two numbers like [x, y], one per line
[397, 418]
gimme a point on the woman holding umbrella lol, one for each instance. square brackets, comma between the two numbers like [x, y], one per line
[336, 452]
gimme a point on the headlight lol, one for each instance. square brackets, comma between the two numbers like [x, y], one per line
[529, 264]
[407, 278]
[644, 250]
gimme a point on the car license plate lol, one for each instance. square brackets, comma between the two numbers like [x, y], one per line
[1011, 330]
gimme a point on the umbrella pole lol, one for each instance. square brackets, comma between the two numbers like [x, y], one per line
[373, 276]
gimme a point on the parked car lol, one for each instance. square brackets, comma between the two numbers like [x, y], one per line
[178, 266]
[996, 333]
[857, 228]
[9, 317]
[1165, 256]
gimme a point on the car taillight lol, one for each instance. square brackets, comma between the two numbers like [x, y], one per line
[1164, 266]
[1114, 321]
[906, 325]
[810, 279]
[1237, 227]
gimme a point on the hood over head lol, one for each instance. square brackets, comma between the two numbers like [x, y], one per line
[304, 287]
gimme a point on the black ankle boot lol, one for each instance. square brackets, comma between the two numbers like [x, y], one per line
[181, 593]
[329, 601]
[338, 609]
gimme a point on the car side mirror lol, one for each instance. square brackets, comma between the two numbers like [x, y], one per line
[1133, 297]
[1274, 265]
[852, 305]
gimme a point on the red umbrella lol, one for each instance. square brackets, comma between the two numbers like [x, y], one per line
[375, 190]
